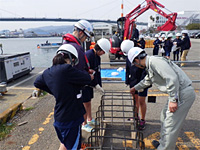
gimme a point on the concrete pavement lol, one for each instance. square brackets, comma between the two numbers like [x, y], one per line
[19, 92]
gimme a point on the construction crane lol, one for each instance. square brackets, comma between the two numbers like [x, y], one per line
[125, 25]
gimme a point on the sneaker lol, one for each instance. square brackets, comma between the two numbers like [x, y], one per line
[87, 128]
[155, 143]
[92, 122]
[142, 124]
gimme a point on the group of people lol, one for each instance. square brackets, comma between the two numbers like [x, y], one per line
[75, 73]
[71, 79]
[179, 46]
[142, 72]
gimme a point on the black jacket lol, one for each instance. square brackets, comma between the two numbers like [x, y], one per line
[133, 74]
[95, 62]
[185, 44]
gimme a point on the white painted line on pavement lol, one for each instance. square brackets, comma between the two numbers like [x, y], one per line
[24, 81]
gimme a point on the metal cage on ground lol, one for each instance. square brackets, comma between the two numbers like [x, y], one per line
[116, 123]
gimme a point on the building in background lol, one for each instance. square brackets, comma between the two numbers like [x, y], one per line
[105, 30]
[156, 20]
[187, 17]
[183, 19]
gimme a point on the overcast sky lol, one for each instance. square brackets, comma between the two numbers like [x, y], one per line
[78, 9]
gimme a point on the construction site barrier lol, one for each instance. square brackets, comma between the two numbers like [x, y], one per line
[149, 43]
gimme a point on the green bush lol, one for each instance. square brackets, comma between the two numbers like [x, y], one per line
[193, 26]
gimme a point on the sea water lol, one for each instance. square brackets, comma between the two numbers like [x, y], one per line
[39, 57]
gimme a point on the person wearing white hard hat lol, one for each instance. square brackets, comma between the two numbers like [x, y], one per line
[64, 81]
[168, 45]
[94, 57]
[135, 34]
[141, 42]
[156, 44]
[185, 46]
[162, 45]
[176, 42]
[133, 76]
[82, 30]
[170, 79]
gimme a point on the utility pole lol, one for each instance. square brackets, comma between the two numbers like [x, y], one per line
[122, 7]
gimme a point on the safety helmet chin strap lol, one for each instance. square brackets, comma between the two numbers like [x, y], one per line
[139, 57]
[70, 58]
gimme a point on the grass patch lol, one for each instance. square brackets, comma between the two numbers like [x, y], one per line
[44, 93]
[5, 130]
[29, 108]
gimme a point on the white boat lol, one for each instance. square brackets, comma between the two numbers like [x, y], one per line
[48, 45]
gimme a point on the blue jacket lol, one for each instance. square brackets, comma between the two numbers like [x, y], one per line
[64, 83]
[133, 74]
[70, 39]
[95, 62]
[156, 43]
[185, 43]
[178, 43]
[142, 43]
[168, 45]
[135, 34]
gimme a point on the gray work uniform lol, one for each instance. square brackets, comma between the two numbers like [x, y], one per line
[170, 79]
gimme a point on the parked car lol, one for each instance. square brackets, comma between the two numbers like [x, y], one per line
[197, 35]
[192, 35]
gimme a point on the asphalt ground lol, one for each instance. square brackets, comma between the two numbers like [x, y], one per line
[38, 133]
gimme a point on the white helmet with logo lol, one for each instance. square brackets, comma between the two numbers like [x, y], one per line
[85, 26]
[184, 32]
[68, 49]
[104, 44]
[126, 45]
[178, 34]
[133, 53]
[156, 36]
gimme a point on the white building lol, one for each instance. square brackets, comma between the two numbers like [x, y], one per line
[183, 19]
[187, 17]
[156, 20]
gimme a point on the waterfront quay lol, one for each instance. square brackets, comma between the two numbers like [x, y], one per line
[37, 132]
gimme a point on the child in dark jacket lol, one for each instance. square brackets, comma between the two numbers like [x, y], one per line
[64, 82]
[133, 76]
[177, 41]
[141, 42]
[94, 57]
[156, 44]
[168, 46]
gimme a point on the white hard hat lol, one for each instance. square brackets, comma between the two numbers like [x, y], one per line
[170, 35]
[68, 49]
[184, 31]
[156, 36]
[126, 45]
[163, 35]
[133, 53]
[178, 34]
[141, 36]
[85, 26]
[104, 44]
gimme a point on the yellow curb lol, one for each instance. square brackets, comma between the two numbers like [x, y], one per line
[10, 112]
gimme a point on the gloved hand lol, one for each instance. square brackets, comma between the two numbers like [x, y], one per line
[36, 93]
[99, 88]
